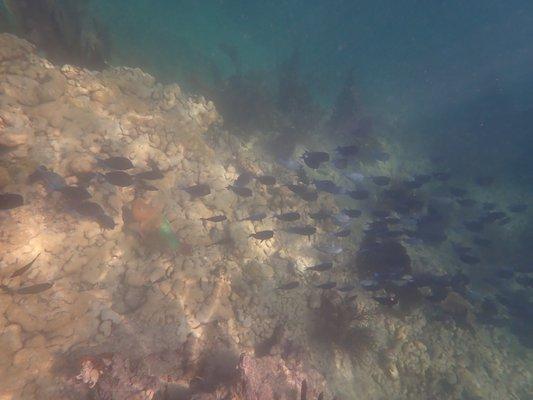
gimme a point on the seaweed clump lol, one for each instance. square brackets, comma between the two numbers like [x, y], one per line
[343, 323]
[347, 116]
[64, 29]
[252, 101]
[294, 100]
[385, 258]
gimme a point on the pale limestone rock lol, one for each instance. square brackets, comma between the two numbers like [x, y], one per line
[91, 273]
[135, 297]
[53, 86]
[103, 96]
[135, 278]
[27, 316]
[132, 81]
[12, 47]
[12, 137]
[80, 164]
[5, 177]
[11, 339]
[105, 328]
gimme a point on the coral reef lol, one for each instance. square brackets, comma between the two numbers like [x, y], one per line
[91, 311]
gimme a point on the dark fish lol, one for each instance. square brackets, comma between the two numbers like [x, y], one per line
[466, 202]
[381, 180]
[342, 233]
[460, 249]
[412, 184]
[504, 273]
[392, 220]
[518, 208]
[75, 193]
[346, 288]
[526, 281]
[504, 221]
[225, 241]
[241, 191]
[352, 213]
[389, 300]
[297, 189]
[34, 289]
[199, 190]
[370, 285]
[243, 179]
[288, 216]
[84, 178]
[9, 201]
[327, 186]
[105, 221]
[442, 176]
[320, 215]
[329, 248]
[313, 159]
[255, 217]
[326, 285]
[119, 178]
[340, 163]
[262, 235]
[484, 180]
[458, 192]
[303, 390]
[474, 226]
[89, 209]
[50, 179]
[118, 163]
[325, 266]
[347, 151]
[493, 216]
[302, 176]
[422, 178]
[481, 242]
[289, 286]
[304, 230]
[127, 215]
[266, 180]
[309, 196]
[142, 185]
[469, 259]
[303, 192]
[381, 213]
[438, 294]
[489, 206]
[216, 218]
[20, 271]
[152, 175]
[359, 194]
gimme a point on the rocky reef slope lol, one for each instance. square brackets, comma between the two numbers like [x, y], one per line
[126, 319]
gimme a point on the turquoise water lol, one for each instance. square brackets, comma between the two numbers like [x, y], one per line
[448, 68]
[329, 192]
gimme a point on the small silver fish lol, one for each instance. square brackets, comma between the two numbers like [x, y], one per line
[20, 271]
[34, 289]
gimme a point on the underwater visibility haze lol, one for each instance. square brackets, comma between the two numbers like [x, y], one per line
[252, 200]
